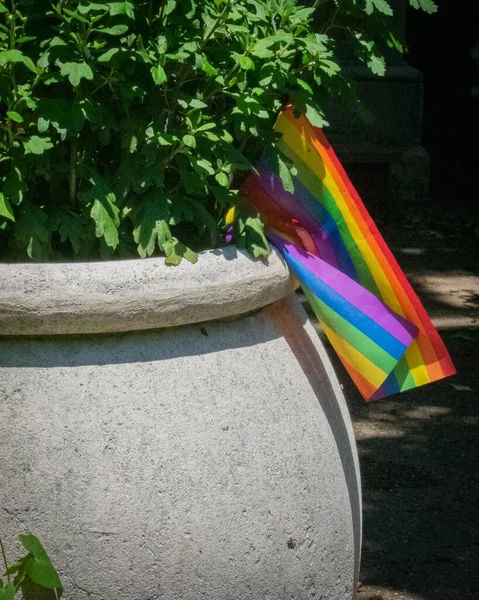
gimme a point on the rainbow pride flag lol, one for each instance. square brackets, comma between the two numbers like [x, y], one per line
[367, 308]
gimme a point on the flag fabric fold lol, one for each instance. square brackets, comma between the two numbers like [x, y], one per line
[367, 308]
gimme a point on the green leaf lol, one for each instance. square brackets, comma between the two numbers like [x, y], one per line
[70, 227]
[29, 101]
[14, 186]
[380, 5]
[301, 15]
[115, 30]
[426, 5]
[14, 116]
[32, 233]
[393, 42]
[13, 569]
[226, 137]
[105, 214]
[122, 8]
[159, 75]
[207, 67]
[237, 160]
[246, 63]
[152, 230]
[8, 592]
[202, 164]
[103, 211]
[165, 139]
[305, 86]
[222, 179]
[10, 56]
[285, 176]
[6, 209]
[189, 140]
[67, 118]
[76, 71]
[16, 56]
[204, 217]
[206, 127]
[211, 136]
[238, 28]
[253, 238]
[315, 117]
[107, 56]
[162, 44]
[262, 48]
[76, 16]
[368, 53]
[377, 64]
[191, 13]
[195, 103]
[170, 7]
[84, 9]
[175, 251]
[26, 38]
[37, 145]
[330, 67]
[39, 567]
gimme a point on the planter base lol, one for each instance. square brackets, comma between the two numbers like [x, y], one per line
[213, 460]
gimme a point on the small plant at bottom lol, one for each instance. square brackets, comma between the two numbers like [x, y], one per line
[32, 574]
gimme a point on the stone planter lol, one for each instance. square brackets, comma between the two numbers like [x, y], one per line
[175, 433]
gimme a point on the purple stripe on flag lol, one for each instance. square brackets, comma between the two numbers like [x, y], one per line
[355, 294]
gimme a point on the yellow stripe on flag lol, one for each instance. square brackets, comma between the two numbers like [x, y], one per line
[363, 365]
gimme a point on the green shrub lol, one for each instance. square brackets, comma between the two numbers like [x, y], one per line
[33, 575]
[124, 126]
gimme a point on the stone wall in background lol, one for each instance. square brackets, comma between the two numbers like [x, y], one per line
[384, 156]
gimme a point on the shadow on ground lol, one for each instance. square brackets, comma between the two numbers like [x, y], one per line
[418, 451]
[419, 462]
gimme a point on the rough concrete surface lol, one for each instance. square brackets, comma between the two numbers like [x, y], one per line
[96, 297]
[210, 461]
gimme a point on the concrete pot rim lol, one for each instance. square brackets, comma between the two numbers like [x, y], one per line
[129, 295]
